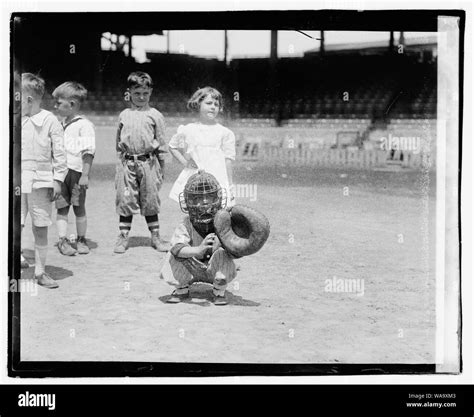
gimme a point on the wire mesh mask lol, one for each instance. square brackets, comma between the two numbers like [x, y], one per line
[201, 199]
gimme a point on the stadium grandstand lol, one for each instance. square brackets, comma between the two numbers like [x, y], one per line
[341, 96]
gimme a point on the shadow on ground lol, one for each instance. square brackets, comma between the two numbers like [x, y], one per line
[56, 272]
[201, 295]
[137, 241]
[92, 244]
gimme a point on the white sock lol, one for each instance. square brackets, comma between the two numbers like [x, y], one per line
[81, 226]
[40, 259]
[61, 224]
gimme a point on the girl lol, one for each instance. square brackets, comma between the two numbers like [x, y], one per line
[205, 144]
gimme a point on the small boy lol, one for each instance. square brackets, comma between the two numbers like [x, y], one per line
[141, 147]
[79, 142]
[197, 254]
[43, 168]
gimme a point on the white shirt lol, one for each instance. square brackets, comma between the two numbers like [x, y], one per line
[209, 146]
[43, 158]
[79, 139]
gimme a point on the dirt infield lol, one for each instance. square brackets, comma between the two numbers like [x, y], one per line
[347, 276]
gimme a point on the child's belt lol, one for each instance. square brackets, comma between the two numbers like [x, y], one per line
[138, 157]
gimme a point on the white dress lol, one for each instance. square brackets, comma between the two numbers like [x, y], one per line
[208, 146]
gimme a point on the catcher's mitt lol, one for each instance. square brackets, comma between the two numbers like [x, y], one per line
[242, 230]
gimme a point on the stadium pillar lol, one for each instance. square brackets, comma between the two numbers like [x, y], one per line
[401, 39]
[274, 46]
[272, 92]
[391, 42]
[97, 60]
[225, 47]
[321, 48]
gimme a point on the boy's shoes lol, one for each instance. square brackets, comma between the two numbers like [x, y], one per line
[177, 298]
[158, 244]
[220, 300]
[65, 247]
[81, 245]
[46, 281]
[121, 245]
[23, 262]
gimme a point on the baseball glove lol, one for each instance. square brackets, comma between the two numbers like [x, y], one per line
[242, 230]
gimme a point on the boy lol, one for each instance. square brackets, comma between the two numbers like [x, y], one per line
[141, 147]
[79, 142]
[43, 168]
[196, 254]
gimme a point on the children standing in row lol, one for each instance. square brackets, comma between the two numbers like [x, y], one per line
[79, 142]
[202, 145]
[43, 168]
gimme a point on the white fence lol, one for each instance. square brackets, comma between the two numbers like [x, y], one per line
[348, 157]
[319, 147]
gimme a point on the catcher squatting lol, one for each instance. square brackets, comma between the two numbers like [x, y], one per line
[209, 238]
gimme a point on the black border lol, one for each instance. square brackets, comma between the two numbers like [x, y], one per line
[340, 399]
[348, 20]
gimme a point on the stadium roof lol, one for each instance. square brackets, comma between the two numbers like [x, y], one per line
[117, 23]
[419, 43]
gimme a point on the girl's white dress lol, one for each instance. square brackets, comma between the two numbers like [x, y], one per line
[208, 146]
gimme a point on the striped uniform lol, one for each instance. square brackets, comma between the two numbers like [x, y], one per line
[218, 270]
[138, 181]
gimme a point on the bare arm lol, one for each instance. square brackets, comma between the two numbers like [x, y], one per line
[198, 251]
[181, 159]
[178, 156]
[86, 167]
[228, 147]
[228, 165]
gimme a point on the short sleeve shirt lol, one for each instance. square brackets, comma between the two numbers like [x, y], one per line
[79, 139]
[184, 235]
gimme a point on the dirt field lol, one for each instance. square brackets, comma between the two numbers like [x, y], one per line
[283, 307]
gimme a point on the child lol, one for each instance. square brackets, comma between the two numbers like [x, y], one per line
[196, 254]
[79, 143]
[43, 168]
[141, 147]
[205, 144]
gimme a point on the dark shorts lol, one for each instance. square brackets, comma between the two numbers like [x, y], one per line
[71, 193]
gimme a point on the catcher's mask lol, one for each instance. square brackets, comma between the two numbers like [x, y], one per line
[201, 199]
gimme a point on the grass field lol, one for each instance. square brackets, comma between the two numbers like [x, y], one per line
[328, 226]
